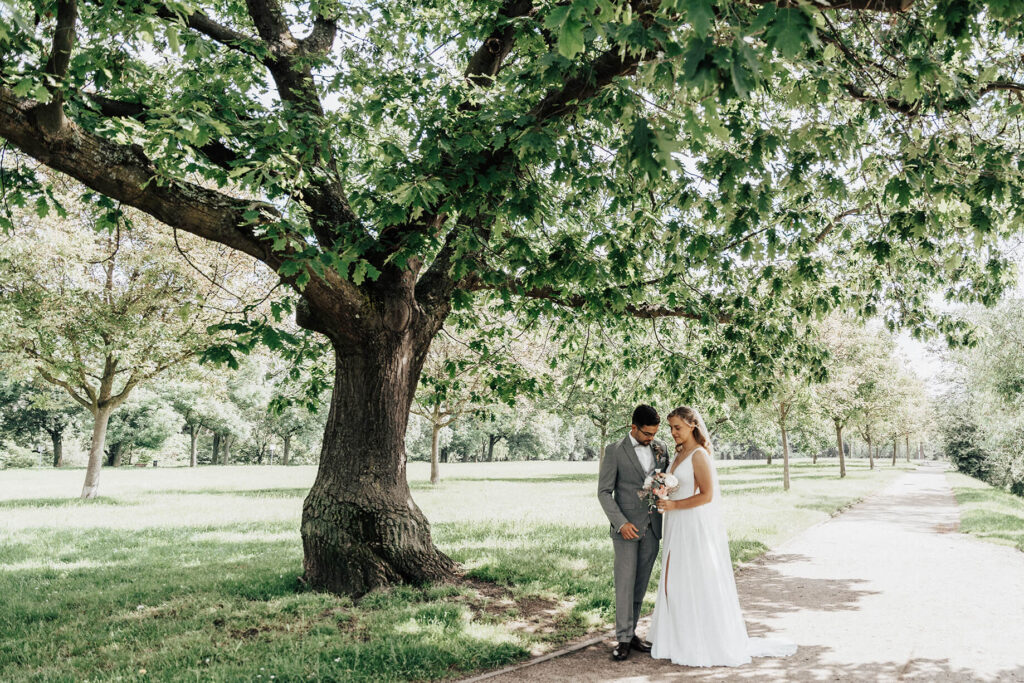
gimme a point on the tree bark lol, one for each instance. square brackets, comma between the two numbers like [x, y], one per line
[871, 454]
[839, 442]
[785, 458]
[894, 442]
[226, 443]
[361, 529]
[193, 457]
[286, 453]
[604, 441]
[908, 447]
[216, 448]
[435, 471]
[57, 438]
[101, 417]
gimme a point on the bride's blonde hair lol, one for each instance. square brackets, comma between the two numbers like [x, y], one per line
[689, 416]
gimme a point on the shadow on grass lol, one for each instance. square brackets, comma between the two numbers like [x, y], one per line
[248, 493]
[986, 495]
[223, 602]
[827, 504]
[61, 502]
[555, 478]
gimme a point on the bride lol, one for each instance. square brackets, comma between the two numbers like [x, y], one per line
[697, 619]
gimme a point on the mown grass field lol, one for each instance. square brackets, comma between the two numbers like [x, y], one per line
[987, 512]
[182, 575]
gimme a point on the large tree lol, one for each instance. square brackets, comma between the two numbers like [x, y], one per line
[701, 160]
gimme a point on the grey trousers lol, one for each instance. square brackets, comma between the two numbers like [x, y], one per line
[634, 561]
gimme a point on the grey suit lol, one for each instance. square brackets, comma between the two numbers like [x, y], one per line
[620, 478]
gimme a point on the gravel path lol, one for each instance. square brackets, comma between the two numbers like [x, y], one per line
[886, 591]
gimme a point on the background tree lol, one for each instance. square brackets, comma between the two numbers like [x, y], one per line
[197, 403]
[588, 160]
[791, 396]
[143, 422]
[981, 415]
[28, 408]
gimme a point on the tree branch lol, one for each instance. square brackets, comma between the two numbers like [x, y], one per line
[125, 174]
[66, 386]
[321, 38]
[51, 115]
[217, 152]
[201, 23]
[487, 60]
[1002, 85]
[898, 106]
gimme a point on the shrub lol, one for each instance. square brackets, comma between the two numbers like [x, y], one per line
[13, 455]
[962, 445]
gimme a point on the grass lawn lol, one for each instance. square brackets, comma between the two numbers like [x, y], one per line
[987, 512]
[191, 574]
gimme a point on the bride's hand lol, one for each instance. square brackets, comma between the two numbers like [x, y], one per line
[666, 505]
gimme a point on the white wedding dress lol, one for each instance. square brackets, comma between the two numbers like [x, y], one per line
[697, 619]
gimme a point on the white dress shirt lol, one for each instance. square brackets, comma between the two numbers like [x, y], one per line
[644, 454]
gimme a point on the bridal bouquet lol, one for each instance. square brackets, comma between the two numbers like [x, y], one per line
[657, 486]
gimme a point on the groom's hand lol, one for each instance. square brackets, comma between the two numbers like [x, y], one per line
[629, 532]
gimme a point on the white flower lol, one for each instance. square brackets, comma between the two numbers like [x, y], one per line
[648, 482]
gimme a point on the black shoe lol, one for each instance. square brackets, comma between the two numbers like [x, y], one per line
[640, 645]
[620, 652]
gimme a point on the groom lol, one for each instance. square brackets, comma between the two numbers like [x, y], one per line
[635, 530]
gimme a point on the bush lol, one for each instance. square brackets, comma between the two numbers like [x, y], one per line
[13, 455]
[963, 448]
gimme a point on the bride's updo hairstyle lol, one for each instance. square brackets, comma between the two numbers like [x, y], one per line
[687, 415]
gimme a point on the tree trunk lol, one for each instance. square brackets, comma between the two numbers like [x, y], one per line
[839, 442]
[894, 442]
[491, 440]
[57, 438]
[287, 452]
[908, 447]
[116, 454]
[225, 447]
[920, 451]
[193, 457]
[216, 448]
[785, 458]
[769, 458]
[435, 471]
[871, 454]
[604, 441]
[101, 417]
[361, 529]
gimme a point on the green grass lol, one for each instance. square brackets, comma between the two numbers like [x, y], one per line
[987, 512]
[193, 574]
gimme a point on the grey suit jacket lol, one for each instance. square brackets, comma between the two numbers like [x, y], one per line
[618, 482]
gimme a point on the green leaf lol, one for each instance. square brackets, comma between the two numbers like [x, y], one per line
[790, 31]
[700, 14]
[23, 87]
[570, 39]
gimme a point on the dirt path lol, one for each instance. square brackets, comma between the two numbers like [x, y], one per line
[887, 591]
